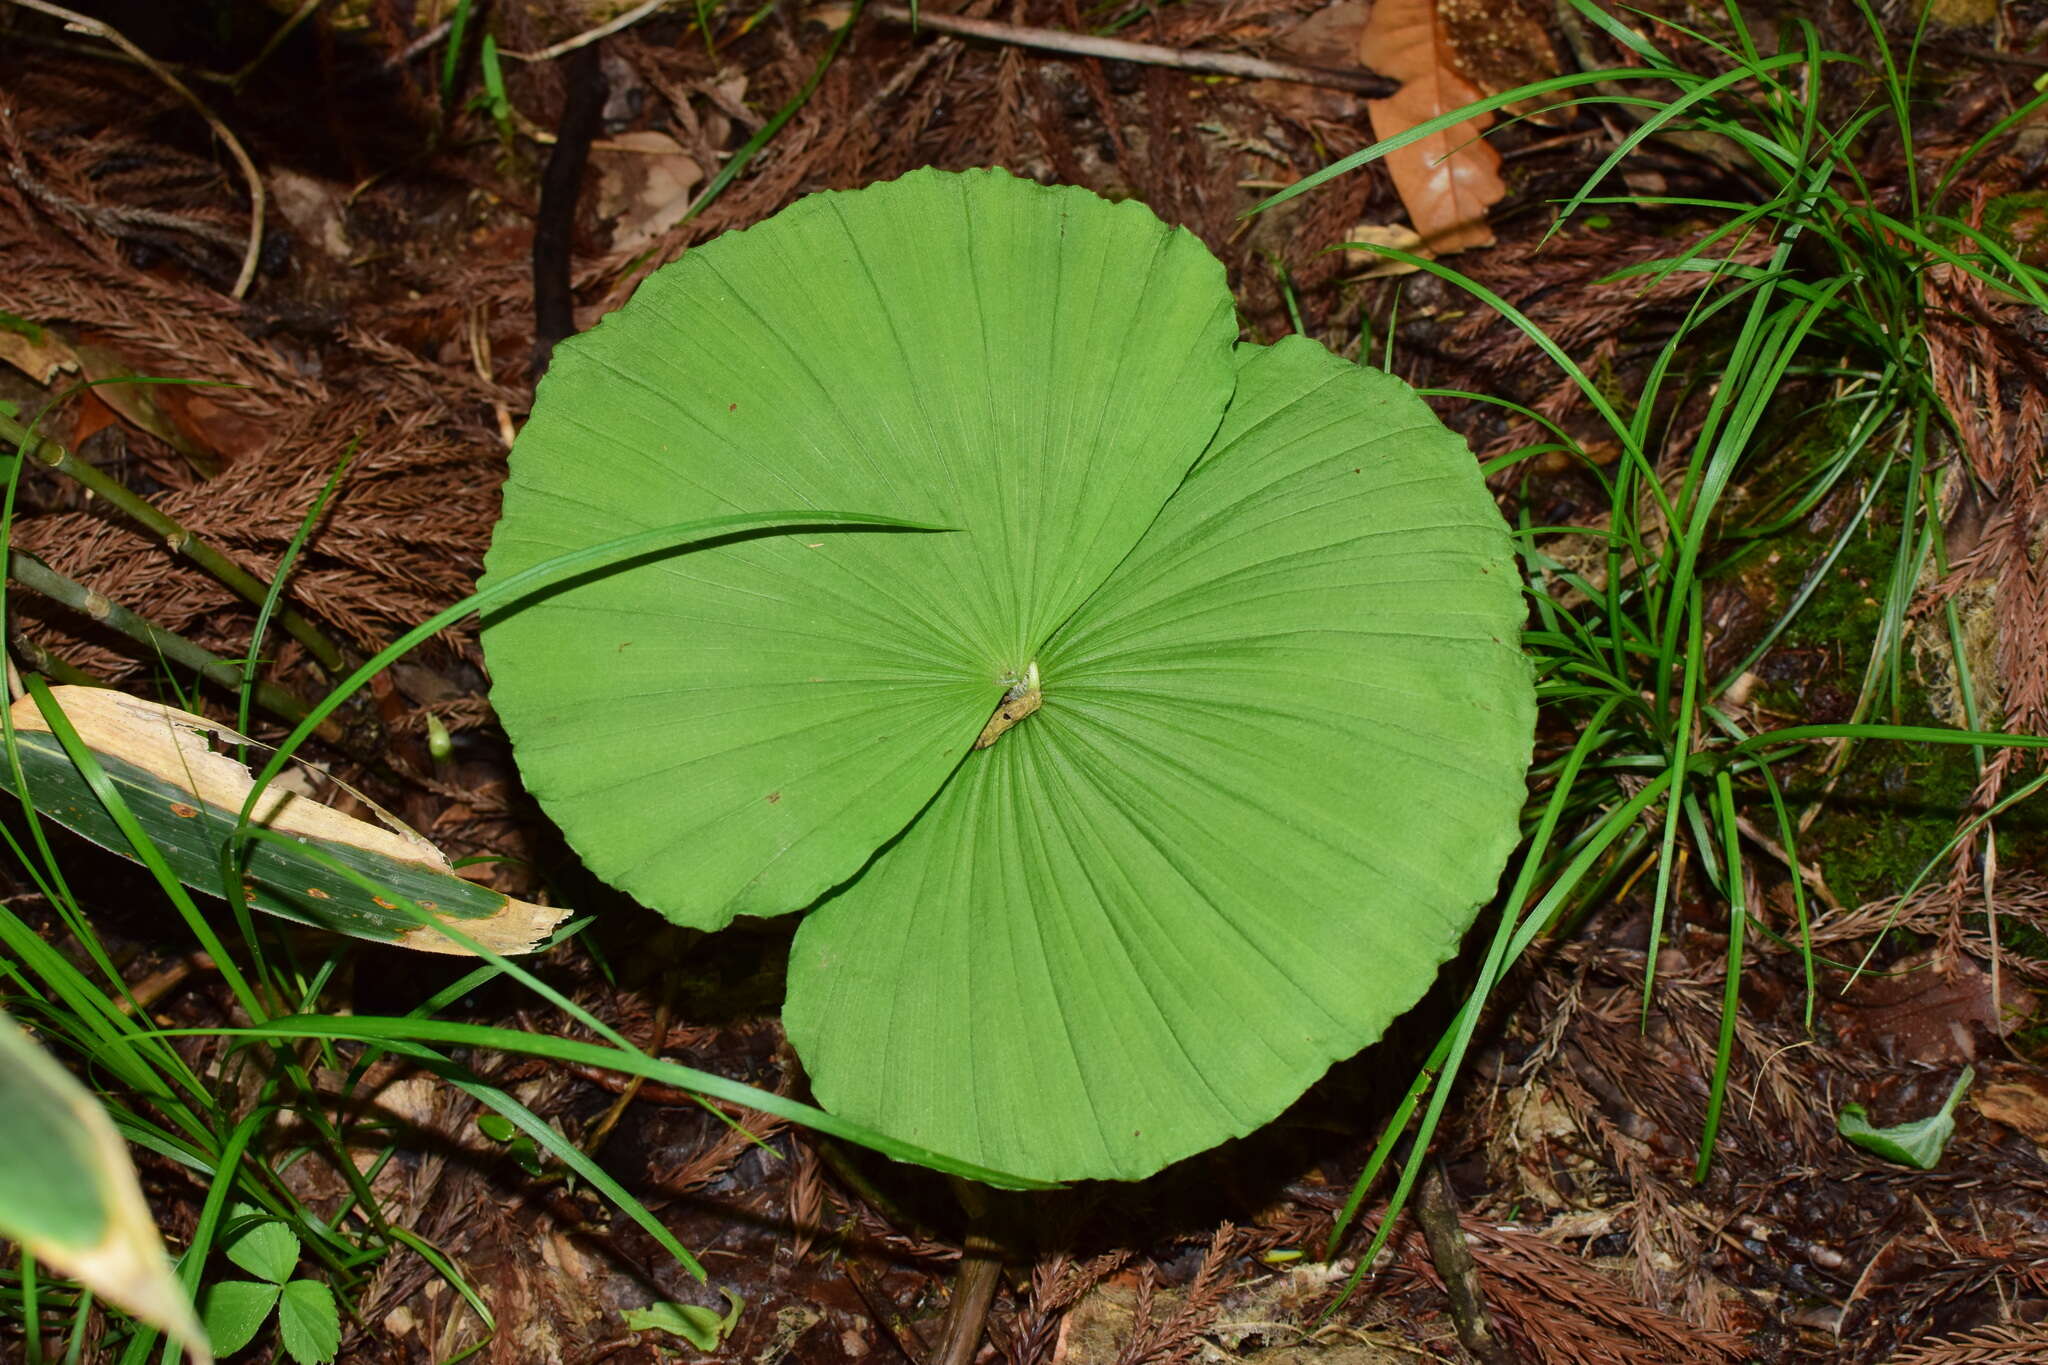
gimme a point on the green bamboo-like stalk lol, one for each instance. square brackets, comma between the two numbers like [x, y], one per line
[37, 576]
[178, 538]
[42, 661]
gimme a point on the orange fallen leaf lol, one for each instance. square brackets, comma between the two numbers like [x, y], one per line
[204, 424]
[1448, 180]
[43, 353]
[91, 418]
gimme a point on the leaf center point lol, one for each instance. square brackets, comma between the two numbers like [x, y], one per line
[1020, 701]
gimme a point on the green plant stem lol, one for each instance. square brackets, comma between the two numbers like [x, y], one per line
[49, 665]
[1681, 756]
[178, 538]
[37, 576]
[31, 1311]
[81, 1318]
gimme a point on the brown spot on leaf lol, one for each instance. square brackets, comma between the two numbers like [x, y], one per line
[774, 798]
[183, 811]
[317, 894]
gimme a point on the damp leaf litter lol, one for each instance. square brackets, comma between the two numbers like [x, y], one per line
[1165, 778]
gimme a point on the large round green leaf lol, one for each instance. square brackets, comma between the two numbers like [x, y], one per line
[738, 730]
[1260, 718]
[1277, 767]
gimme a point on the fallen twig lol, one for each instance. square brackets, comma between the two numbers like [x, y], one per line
[100, 29]
[1436, 1210]
[274, 42]
[584, 39]
[881, 1312]
[1147, 54]
[416, 46]
[145, 993]
[1808, 874]
[602, 1129]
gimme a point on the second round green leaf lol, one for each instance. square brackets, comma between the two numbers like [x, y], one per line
[1276, 770]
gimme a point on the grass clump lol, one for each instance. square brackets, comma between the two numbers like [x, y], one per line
[1817, 292]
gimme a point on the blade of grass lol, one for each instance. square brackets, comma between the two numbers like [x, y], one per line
[1681, 759]
[252, 663]
[1560, 793]
[748, 150]
[1460, 1033]
[1731, 998]
[458, 29]
[1788, 839]
[404, 1034]
[610, 554]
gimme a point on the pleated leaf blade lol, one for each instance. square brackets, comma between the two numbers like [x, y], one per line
[738, 732]
[1275, 772]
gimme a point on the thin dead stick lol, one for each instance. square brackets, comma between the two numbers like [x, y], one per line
[80, 23]
[161, 982]
[1810, 875]
[604, 30]
[1436, 1209]
[275, 41]
[417, 46]
[974, 1284]
[1148, 54]
[882, 1312]
[611, 1117]
[176, 537]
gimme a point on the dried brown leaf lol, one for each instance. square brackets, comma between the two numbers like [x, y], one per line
[646, 183]
[1375, 266]
[1449, 179]
[2017, 1097]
